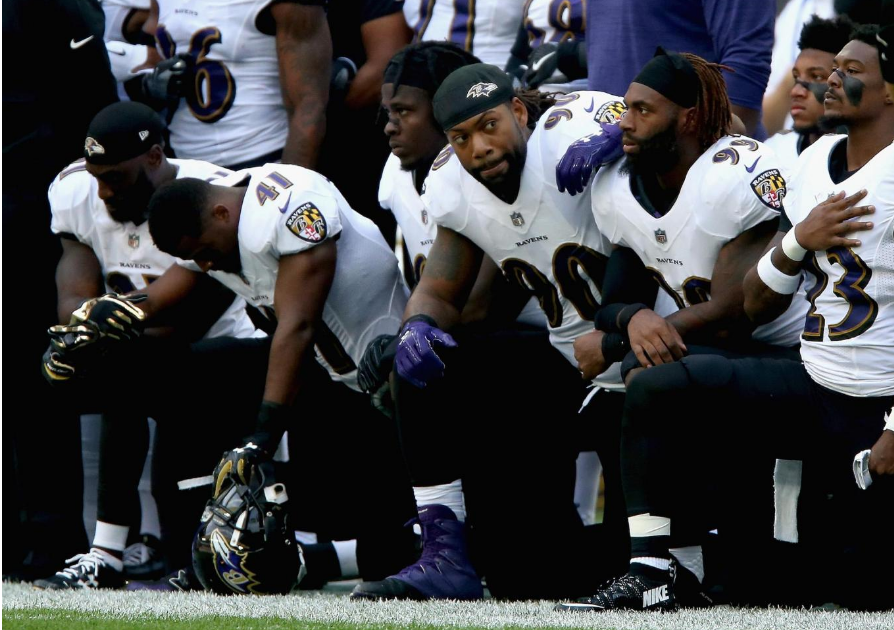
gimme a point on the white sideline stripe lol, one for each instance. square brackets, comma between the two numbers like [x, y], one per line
[327, 608]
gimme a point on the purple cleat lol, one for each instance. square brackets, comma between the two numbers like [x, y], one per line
[444, 570]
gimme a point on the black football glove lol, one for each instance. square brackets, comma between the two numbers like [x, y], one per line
[377, 362]
[114, 316]
[565, 61]
[343, 72]
[542, 64]
[237, 465]
[516, 69]
[374, 371]
[168, 81]
[71, 350]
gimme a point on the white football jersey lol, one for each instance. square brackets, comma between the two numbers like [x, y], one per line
[127, 255]
[116, 13]
[397, 193]
[736, 184]
[235, 111]
[545, 241]
[786, 145]
[555, 21]
[848, 339]
[485, 28]
[287, 210]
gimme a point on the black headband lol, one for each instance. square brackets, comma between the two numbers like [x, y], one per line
[122, 131]
[469, 91]
[671, 75]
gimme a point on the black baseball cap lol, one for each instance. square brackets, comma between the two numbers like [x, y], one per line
[122, 131]
[470, 90]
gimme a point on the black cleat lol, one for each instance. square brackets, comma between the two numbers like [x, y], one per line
[87, 571]
[144, 560]
[642, 588]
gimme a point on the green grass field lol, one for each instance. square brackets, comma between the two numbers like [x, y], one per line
[28, 608]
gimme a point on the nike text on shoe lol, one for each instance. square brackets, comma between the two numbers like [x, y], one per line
[444, 570]
[643, 588]
[88, 570]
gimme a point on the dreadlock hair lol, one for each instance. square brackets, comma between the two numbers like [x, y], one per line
[429, 62]
[713, 112]
[437, 59]
[536, 102]
[827, 35]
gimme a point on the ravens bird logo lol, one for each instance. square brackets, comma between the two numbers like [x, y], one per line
[481, 89]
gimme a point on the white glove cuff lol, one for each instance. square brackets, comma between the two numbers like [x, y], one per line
[124, 57]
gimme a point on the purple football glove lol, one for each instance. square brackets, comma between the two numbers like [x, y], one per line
[586, 155]
[416, 360]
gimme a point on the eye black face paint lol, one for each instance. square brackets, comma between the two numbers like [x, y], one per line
[853, 88]
[817, 89]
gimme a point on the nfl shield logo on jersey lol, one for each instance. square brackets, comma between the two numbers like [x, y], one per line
[424, 216]
[661, 236]
[517, 219]
[133, 240]
[307, 223]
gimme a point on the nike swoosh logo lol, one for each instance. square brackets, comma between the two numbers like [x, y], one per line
[285, 205]
[541, 61]
[75, 45]
[590, 108]
[750, 169]
[119, 53]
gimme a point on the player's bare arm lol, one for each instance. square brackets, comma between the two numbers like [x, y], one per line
[304, 49]
[881, 456]
[302, 286]
[448, 279]
[382, 38]
[168, 291]
[829, 224]
[723, 316]
[493, 298]
[78, 277]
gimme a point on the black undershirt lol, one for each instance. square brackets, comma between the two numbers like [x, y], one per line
[654, 199]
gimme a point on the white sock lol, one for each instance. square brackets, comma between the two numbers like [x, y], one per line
[586, 485]
[346, 550]
[658, 563]
[691, 558]
[446, 494]
[109, 536]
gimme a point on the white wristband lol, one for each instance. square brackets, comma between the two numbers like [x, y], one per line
[889, 420]
[778, 281]
[792, 247]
